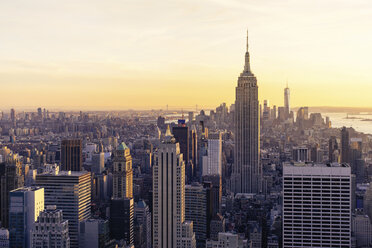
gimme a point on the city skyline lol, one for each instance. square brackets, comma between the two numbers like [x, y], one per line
[111, 57]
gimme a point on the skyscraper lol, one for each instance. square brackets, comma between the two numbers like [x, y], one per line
[143, 217]
[345, 146]
[286, 101]
[70, 191]
[25, 206]
[316, 205]
[181, 134]
[122, 219]
[122, 172]
[212, 161]
[169, 195]
[71, 155]
[247, 171]
[10, 178]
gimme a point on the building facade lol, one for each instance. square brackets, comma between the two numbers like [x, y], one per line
[25, 206]
[122, 172]
[168, 194]
[316, 205]
[212, 161]
[71, 155]
[70, 191]
[247, 171]
[50, 230]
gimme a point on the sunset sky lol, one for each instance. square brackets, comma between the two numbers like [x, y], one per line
[120, 54]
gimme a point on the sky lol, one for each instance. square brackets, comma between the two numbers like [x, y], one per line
[143, 54]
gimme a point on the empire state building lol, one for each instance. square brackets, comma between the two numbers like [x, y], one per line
[247, 170]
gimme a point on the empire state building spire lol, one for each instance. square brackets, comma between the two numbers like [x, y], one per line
[247, 66]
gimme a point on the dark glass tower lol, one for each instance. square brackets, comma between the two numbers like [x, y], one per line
[71, 155]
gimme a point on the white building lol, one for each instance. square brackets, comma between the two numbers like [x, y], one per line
[169, 195]
[316, 205]
[212, 162]
[51, 230]
[25, 205]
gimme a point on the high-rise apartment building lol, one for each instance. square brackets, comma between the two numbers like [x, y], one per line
[122, 172]
[316, 205]
[212, 161]
[71, 155]
[70, 191]
[10, 178]
[247, 171]
[168, 194]
[25, 206]
[50, 230]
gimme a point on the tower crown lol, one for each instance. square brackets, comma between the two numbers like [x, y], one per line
[247, 65]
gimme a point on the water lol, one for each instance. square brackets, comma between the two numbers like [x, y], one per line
[354, 121]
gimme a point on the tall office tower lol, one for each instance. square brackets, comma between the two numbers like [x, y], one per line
[287, 94]
[98, 161]
[168, 194]
[122, 219]
[194, 150]
[70, 191]
[71, 155]
[39, 113]
[122, 172]
[181, 134]
[4, 238]
[216, 181]
[212, 161]
[198, 209]
[316, 205]
[50, 230]
[94, 233]
[247, 170]
[345, 146]
[266, 110]
[25, 206]
[333, 150]
[13, 117]
[10, 178]
[143, 217]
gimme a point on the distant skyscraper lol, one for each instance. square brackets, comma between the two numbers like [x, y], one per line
[286, 101]
[181, 134]
[247, 171]
[316, 205]
[24, 209]
[122, 172]
[13, 117]
[333, 150]
[212, 161]
[345, 146]
[216, 181]
[50, 230]
[71, 155]
[169, 195]
[10, 178]
[70, 191]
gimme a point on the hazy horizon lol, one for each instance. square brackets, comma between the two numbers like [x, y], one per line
[124, 54]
